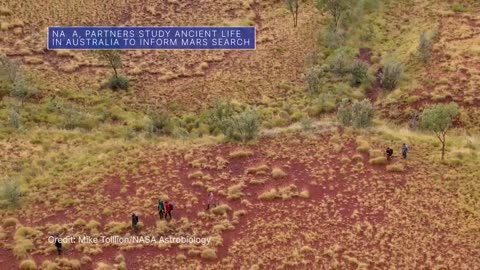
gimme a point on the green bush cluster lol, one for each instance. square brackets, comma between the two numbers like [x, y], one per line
[117, 83]
[243, 127]
[313, 79]
[358, 114]
[218, 118]
[340, 62]
[359, 71]
[10, 193]
[392, 72]
[160, 124]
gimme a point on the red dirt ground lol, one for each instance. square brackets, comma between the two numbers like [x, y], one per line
[343, 202]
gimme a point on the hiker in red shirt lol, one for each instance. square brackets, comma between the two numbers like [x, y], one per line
[168, 209]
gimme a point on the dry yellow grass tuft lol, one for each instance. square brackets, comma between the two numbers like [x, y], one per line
[283, 193]
[28, 264]
[10, 222]
[259, 170]
[397, 167]
[378, 161]
[209, 254]
[221, 209]
[196, 175]
[278, 173]
[235, 191]
[240, 154]
[22, 248]
[362, 146]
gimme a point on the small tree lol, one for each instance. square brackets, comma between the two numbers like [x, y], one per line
[338, 9]
[112, 58]
[22, 89]
[439, 119]
[293, 6]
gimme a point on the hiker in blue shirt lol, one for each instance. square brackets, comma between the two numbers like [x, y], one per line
[161, 209]
[404, 150]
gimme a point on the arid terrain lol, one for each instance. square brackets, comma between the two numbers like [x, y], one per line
[296, 185]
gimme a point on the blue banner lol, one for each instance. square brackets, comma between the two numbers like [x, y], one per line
[151, 38]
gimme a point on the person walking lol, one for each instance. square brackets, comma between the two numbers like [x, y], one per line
[168, 210]
[161, 209]
[210, 200]
[404, 150]
[58, 244]
[134, 222]
[389, 153]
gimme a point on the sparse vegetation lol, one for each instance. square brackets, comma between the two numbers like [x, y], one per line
[243, 127]
[358, 115]
[79, 153]
[118, 83]
[10, 193]
[425, 48]
[28, 264]
[439, 119]
[359, 72]
[337, 9]
[391, 74]
[278, 173]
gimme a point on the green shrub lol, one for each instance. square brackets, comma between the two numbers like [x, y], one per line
[331, 38]
[341, 61]
[313, 79]
[359, 72]
[9, 68]
[344, 113]
[370, 6]
[324, 103]
[219, 117]
[367, 33]
[73, 119]
[362, 114]
[160, 124]
[359, 114]
[243, 127]
[118, 83]
[391, 74]
[307, 124]
[459, 8]
[22, 89]
[425, 48]
[10, 193]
